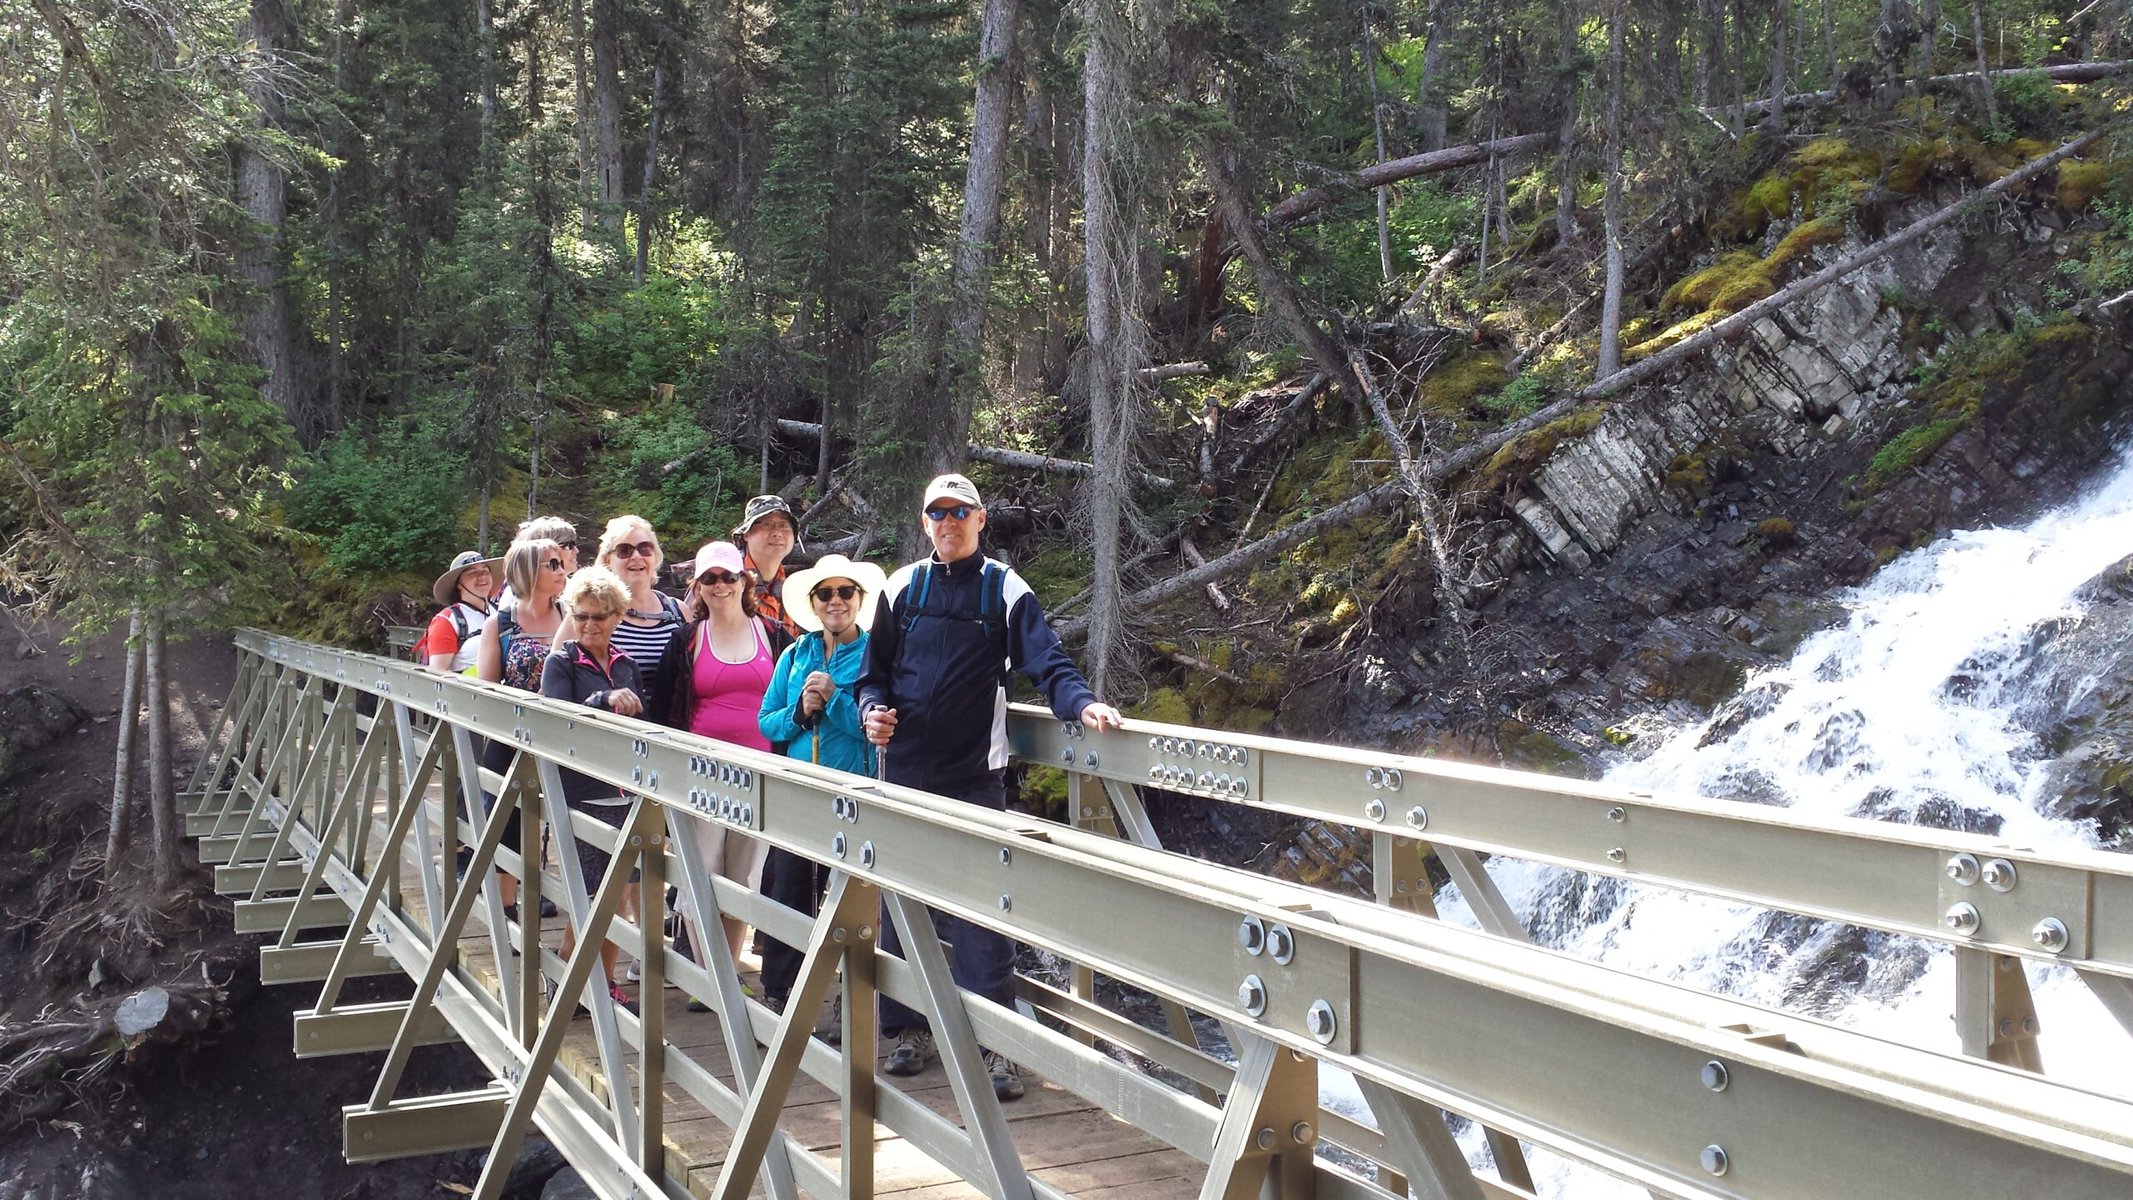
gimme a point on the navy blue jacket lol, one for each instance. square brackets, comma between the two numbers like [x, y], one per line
[944, 680]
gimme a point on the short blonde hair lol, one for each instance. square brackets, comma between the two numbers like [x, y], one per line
[617, 532]
[522, 563]
[557, 528]
[598, 585]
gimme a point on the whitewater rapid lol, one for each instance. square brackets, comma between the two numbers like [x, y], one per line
[1921, 703]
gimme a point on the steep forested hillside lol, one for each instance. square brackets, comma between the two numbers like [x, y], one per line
[298, 298]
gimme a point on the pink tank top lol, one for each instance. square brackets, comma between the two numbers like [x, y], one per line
[725, 698]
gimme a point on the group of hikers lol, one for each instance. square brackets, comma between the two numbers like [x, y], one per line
[837, 663]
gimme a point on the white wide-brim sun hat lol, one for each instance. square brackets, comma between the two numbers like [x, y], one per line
[801, 607]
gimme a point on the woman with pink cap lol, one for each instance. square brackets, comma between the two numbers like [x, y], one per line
[711, 682]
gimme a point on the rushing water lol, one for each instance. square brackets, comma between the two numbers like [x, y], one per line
[1922, 704]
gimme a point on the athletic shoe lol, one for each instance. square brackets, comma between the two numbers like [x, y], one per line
[622, 999]
[548, 908]
[635, 974]
[695, 1005]
[1006, 1079]
[913, 1050]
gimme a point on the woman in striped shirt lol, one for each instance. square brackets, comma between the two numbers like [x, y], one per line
[630, 549]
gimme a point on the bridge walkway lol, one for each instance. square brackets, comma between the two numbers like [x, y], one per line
[332, 804]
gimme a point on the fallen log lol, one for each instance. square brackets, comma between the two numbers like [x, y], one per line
[2081, 72]
[1177, 370]
[1394, 170]
[1000, 456]
[1191, 554]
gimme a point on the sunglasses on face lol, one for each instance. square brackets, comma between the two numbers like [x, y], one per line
[571, 545]
[960, 512]
[598, 618]
[844, 592]
[554, 564]
[718, 578]
[630, 549]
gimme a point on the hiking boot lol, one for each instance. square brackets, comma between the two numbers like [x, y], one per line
[775, 1004]
[548, 908]
[834, 1035]
[913, 1050]
[1006, 1078]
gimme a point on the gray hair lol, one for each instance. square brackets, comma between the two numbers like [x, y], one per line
[599, 585]
[555, 529]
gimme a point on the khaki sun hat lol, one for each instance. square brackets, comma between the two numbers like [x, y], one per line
[763, 506]
[446, 589]
[800, 606]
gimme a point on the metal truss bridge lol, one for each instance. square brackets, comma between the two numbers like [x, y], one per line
[331, 799]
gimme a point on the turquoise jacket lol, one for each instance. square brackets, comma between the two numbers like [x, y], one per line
[843, 746]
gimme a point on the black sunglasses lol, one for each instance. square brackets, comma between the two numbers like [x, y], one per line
[627, 549]
[718, 577]
[571, 545]
[555, 564]
[842, 592]
[960, 512]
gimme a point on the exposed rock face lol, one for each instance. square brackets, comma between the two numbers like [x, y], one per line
[1649, 565]
[1802, 377]
[32, 717]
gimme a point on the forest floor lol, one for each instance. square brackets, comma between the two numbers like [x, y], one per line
[226, 1109]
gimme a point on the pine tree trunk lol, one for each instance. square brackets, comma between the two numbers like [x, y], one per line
[1984, 75]
[982, 185]
[1610, 351]
[262, 189]
[1115, 345]
[1782, 20]
[1829, 43]
[651, 170]
[1566, 188]
[581, 75]
[1430, 113]
[607, 109]
[1377, 129]
[129, 716]
[162, 790]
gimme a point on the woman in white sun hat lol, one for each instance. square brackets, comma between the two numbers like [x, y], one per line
[811, 709]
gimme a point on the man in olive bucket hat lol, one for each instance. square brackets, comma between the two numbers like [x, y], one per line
[767, 533]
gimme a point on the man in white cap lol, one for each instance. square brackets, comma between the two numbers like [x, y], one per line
[933, 699]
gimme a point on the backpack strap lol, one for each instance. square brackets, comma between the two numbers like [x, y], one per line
[923, 585]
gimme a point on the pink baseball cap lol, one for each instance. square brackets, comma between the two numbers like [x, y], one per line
[722, 556]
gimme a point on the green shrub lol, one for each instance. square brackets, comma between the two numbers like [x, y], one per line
[684, 506]
[1910, 448]
[382, 501]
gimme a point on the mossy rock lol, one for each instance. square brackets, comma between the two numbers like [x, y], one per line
[1700, 289]
[1166, 705]
[1908, 449]
[1450, 390]
[1517, 459]
[1044, 792]
[1822, 231]
[1670, 335]
[1708, 679]
[2080, 182]
[1528, 749]
[1919, 163]
[1775, 533]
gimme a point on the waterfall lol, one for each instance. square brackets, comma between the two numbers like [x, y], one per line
[1929, 701]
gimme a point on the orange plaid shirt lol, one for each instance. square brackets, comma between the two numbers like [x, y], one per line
[770, 595]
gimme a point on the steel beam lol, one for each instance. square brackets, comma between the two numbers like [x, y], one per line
[312, 962]
[322, 911]
[422, 1125]
[1899, 878]
[365, 1028]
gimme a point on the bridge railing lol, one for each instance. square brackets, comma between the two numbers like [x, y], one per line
[1997, 903]
[327, 809]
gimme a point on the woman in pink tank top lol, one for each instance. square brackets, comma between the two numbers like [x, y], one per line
[725, 659]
